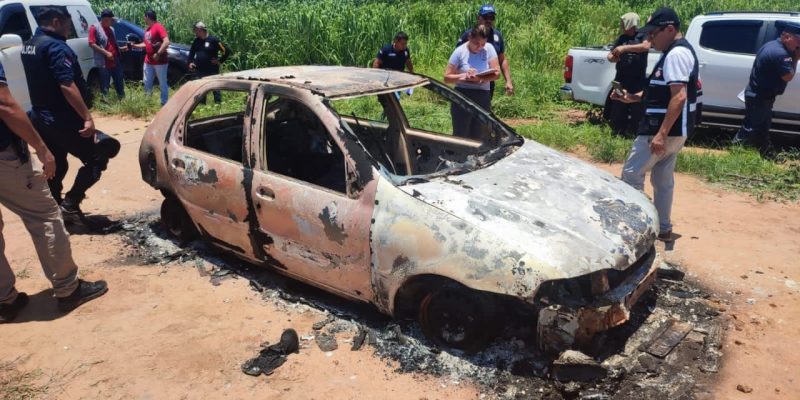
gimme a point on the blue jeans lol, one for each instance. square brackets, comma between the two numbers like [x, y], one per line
[105, 80]
[156, 71]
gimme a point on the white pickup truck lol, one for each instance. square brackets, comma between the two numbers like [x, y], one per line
[725, 43]
[17, 24]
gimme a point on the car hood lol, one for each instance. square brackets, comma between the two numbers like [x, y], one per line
[562, 212]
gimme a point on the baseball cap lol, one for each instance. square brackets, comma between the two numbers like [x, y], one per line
[200, 25]
[486, 9]
[662, 17]
[788, 26]
[106, 13]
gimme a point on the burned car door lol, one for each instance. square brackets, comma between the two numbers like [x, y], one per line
[311, 222]
[205, 157]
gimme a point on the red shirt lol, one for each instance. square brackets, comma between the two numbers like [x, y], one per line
[153, 37]
[111, 45]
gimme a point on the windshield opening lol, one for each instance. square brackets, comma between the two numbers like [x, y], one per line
[428, 131]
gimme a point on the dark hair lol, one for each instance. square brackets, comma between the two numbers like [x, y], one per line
[400, 36]
[48, 13]
[480, 31]
[150, 14]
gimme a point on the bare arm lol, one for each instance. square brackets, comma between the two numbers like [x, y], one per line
[451, 74]
[409, 65]
[73, 96]
[376, 63]
[505, 68]
[16, 119]
[611, 57]
[164, 46]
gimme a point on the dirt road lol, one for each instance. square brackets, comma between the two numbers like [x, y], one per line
[166, 332]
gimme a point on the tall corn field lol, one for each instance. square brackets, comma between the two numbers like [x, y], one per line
[538, 33]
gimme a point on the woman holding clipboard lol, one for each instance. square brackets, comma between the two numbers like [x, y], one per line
[472, 66]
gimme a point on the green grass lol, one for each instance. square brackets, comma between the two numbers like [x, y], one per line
[735, 167]
[135, 104]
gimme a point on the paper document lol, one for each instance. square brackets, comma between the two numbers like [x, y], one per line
[490, 71]
[740, 96]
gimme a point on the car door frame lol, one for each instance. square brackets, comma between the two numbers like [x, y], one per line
[312, 233]
[209, 186]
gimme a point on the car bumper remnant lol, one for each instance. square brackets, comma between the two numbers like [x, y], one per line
[562, 325]
[567, 93]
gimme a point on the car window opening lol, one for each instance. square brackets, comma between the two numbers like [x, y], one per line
[411, 134]
[299, 146]
[218, 129]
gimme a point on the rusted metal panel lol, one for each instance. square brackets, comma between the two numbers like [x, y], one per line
[334, 81]
[566, 213]
[411, 238]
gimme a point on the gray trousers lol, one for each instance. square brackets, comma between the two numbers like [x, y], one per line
[662, 177]
[24, 191]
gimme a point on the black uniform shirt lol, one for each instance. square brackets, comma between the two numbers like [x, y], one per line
[393, 59]
[49, 62]
[631, 67]
[205, 50]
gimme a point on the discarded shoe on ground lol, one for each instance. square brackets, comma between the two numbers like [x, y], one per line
[272, 357]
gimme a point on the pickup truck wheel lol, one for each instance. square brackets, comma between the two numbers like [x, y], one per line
[453, 316]
[177, 220]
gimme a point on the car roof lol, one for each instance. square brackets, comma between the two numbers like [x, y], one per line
[333, 81]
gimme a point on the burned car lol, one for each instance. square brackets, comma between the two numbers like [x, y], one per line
[336, 176]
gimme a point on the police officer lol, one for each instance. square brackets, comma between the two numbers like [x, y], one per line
[670, 116]
[60, 110]
[396, 55]
[206, 55]
[486, 17]
[24, 191]
[774, 67]
[629, 53]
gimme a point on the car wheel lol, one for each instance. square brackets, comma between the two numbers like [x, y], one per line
[177, 220]
[454, 316]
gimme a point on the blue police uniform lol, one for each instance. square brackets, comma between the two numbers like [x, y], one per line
[49, 62]
[495, 39]
[393, 59]
[772, 62]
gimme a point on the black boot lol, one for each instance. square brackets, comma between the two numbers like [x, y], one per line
[71, 211]
[9, 311]
[86, 291]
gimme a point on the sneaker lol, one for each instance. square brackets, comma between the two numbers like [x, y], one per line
[665, 236]
[10, 311]
[86, 291]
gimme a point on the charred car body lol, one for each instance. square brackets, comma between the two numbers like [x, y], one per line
[332, 175]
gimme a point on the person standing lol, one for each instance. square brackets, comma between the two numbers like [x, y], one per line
[629, 53]
[486, 17]
[670, 116]
[60, 110]
[396, 55]
[472, 66]
[774, 67]
[206, 55]
[24, 191]
[103, 41]
[155, 44]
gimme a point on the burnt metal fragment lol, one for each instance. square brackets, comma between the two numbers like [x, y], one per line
[321, 324]
[671, 272]
[326, 342]
[272, 357]
[358, 339]
[573, 365]
[667, 337]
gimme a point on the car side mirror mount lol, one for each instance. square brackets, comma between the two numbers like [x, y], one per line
[10, 40]
[133, 38]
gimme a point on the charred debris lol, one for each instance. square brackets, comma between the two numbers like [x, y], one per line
[670, 347]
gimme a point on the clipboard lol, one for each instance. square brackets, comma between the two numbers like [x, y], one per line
[490, 71]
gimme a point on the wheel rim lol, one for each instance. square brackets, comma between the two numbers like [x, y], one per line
[452, 319]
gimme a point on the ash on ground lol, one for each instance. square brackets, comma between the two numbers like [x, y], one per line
[669, 349]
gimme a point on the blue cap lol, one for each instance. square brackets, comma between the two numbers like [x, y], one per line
[788, 26]
[486, 9]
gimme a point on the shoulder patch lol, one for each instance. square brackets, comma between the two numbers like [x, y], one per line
[496, 38]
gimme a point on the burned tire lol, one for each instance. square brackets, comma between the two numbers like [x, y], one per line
[456, 317]
[177, 220]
